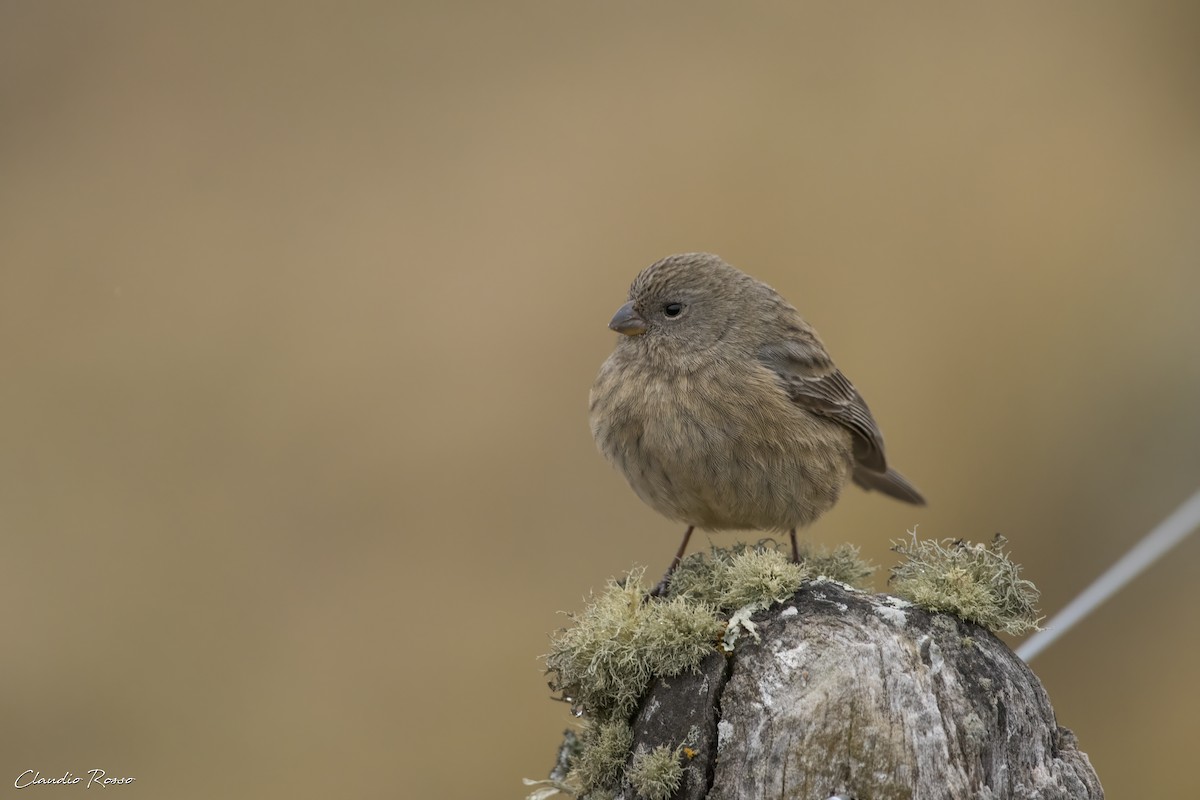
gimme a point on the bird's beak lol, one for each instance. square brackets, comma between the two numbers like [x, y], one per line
[628, 321]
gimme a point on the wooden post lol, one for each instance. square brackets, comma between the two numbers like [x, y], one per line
[852, 695]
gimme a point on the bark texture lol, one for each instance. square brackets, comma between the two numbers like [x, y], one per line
[862, 696]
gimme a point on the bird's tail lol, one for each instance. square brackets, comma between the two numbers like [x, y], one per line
[891, 483]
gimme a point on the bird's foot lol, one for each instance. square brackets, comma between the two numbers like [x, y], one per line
[663, 587]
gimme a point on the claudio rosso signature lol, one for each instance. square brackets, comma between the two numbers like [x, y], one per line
[94, 777]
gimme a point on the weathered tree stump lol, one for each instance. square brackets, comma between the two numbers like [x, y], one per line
[864, 696]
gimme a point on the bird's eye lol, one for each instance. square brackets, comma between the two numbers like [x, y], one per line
[673, 310]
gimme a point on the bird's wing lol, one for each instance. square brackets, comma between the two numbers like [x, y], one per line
[813, 382]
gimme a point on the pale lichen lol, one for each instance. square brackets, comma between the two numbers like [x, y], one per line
[605, 661]
[976, 582]
[842, 564]
[656, 775]
[599, 764]
[734, 578]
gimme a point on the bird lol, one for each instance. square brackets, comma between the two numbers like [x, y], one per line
[724, 411]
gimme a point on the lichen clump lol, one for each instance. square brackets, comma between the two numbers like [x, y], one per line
[604, 662]
[605, 749]
[656, 775]
[842, 564]
[976, 582]
[622, 640]
[735, 578]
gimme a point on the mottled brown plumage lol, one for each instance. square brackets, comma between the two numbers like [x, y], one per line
[722, 408]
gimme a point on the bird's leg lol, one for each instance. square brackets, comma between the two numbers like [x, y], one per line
[795, 548]
[661, 589]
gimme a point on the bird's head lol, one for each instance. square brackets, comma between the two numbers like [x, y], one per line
[687, 303]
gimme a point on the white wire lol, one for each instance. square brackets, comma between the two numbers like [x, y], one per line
[1170, 532]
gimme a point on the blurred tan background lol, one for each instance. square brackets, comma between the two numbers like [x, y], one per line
[300, 309]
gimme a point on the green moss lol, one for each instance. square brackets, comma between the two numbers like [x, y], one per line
[606, 660]
[977, 582]
[656, 775]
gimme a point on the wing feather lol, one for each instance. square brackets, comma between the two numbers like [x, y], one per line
[813, 382]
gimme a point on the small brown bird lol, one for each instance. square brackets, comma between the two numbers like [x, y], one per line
[723, 410]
